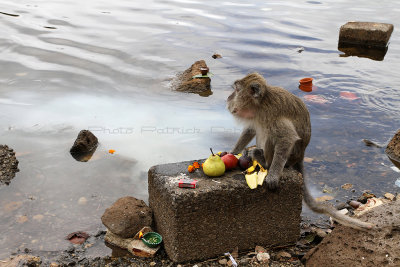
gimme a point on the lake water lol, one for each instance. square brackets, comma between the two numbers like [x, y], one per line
[107, 66]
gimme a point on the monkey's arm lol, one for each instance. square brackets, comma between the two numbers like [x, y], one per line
[245, 137]
[286, 137]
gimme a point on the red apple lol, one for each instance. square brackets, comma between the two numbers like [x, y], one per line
[230, 161]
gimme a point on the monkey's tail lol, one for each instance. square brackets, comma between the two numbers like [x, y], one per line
[331, 211]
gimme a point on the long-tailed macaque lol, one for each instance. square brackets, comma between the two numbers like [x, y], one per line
[281, 124]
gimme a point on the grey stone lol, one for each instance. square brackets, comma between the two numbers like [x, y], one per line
[222, 213]
[365, 33]
[127, 216]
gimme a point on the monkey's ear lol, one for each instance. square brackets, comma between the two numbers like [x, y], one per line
[255, 89]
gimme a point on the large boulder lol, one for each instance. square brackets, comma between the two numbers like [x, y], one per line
[186, 83]
[127, 216]
[349, 247]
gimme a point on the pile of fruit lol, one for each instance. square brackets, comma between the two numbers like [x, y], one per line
[217, 164]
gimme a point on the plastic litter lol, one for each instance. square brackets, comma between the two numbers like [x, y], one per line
[234, 263]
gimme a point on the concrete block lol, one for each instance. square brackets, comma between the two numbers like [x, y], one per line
[365, 33]
[221, 213]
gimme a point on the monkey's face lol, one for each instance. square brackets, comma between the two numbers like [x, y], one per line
[246, 97]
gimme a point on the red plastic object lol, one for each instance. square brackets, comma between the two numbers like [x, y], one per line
[306, 81]
[187, 183]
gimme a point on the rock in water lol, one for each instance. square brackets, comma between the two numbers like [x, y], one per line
[186, 83]
[127, 216]
[365, 33]
[393, 149]
[84, 146]
[8, 164]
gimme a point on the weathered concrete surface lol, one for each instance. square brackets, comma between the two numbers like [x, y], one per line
[393, 149]
[221, 213]
[185, 82]
[127, 216]
[349, 247]
[365, 33]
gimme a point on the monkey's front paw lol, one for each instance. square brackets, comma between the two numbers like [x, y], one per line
[257, 154]
[272, 183]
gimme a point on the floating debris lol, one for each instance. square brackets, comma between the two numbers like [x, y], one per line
[215, 56]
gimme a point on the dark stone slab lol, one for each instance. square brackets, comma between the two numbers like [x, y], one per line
[393, 149]
[349, 247]
[365, 33]
[221, 213]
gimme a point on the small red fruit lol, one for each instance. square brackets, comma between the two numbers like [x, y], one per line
[230, 161]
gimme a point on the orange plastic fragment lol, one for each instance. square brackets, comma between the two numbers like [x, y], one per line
[196, 165]
[202, 165]
[191, 168]
[111, 151]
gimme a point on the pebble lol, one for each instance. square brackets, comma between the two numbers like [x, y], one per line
[259, 249]
[82, 201]
[354, 204]
[153, 263]
[283, 255]
[320, 233]
[341, 205]
[223, 261]
[389, 196]
[244, 261]
[343, 211]
[263, 257]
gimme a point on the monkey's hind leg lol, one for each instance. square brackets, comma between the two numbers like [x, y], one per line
[282, 150]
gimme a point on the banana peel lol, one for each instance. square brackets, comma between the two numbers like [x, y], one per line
[261, 177]
[254, 166]
[251, 180]
[254, 178]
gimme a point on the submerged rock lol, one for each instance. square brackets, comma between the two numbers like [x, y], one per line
[127, 216]
[8, 164]
[186, 83]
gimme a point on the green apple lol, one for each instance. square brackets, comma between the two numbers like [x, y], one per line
[214, 166]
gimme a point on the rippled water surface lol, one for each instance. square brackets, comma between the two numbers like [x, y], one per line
[107, 66]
